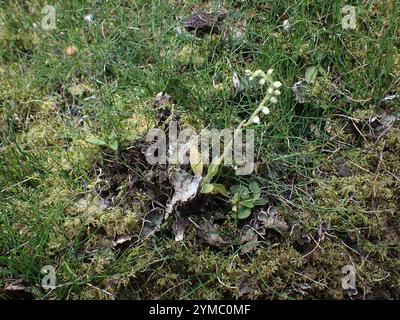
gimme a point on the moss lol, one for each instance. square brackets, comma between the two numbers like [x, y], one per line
[191, 55]
[79, 154]
[119, 222]
[40, 133]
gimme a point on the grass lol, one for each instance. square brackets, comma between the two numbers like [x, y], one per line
[51, 103]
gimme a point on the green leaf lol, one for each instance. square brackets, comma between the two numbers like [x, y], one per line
[243, 213]
[96, 141]
[114, 145]
[247, 203]
[214, 188]
[196, 161]
[260, 202]
[255, 189]
[311, 74]
[207, 188]
[241, 190]
[212, 171]
[220, 188]
[235, 198]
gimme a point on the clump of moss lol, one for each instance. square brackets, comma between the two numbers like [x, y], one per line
[79, 155]
[362, 200]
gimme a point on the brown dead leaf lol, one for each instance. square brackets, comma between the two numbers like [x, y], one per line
[208, 233]
[17, 290]
[179, 227]
[121, 240]
[248, 286]
[162, 99]
[271, 220]
[152, 222]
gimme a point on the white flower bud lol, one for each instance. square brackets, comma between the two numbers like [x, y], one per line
[270, 90]
[248, 72]
[286, 25]
[262, 81]
[273, 100]
[256, 120]
[258, 73]
[266, 111]
[277, 84]
[88, 18]
[270, 72]
[277, 92]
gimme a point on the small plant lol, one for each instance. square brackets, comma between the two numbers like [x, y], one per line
[244, 199]
[272, 92]
[110, 142]
[271, 95]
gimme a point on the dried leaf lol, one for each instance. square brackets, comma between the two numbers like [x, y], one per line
[186, 188]
[236, 82]
[248, 239]
[298, 90]
[162, 99]
[323, 228]
[152, 223]
[204, 23]
[391, 97]
[179, 227]
[208, 233]
[18, 290]
[248, 234]
[247, 286]
[120, 240]
[286, 25]
[384, 121]
[270, 219]
[249, 247]
[238, 30]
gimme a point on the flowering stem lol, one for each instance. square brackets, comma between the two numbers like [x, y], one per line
[245, 123]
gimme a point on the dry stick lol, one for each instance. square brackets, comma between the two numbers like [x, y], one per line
[101, 290]
[227, 286]
[315, 248]
[307, 277]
